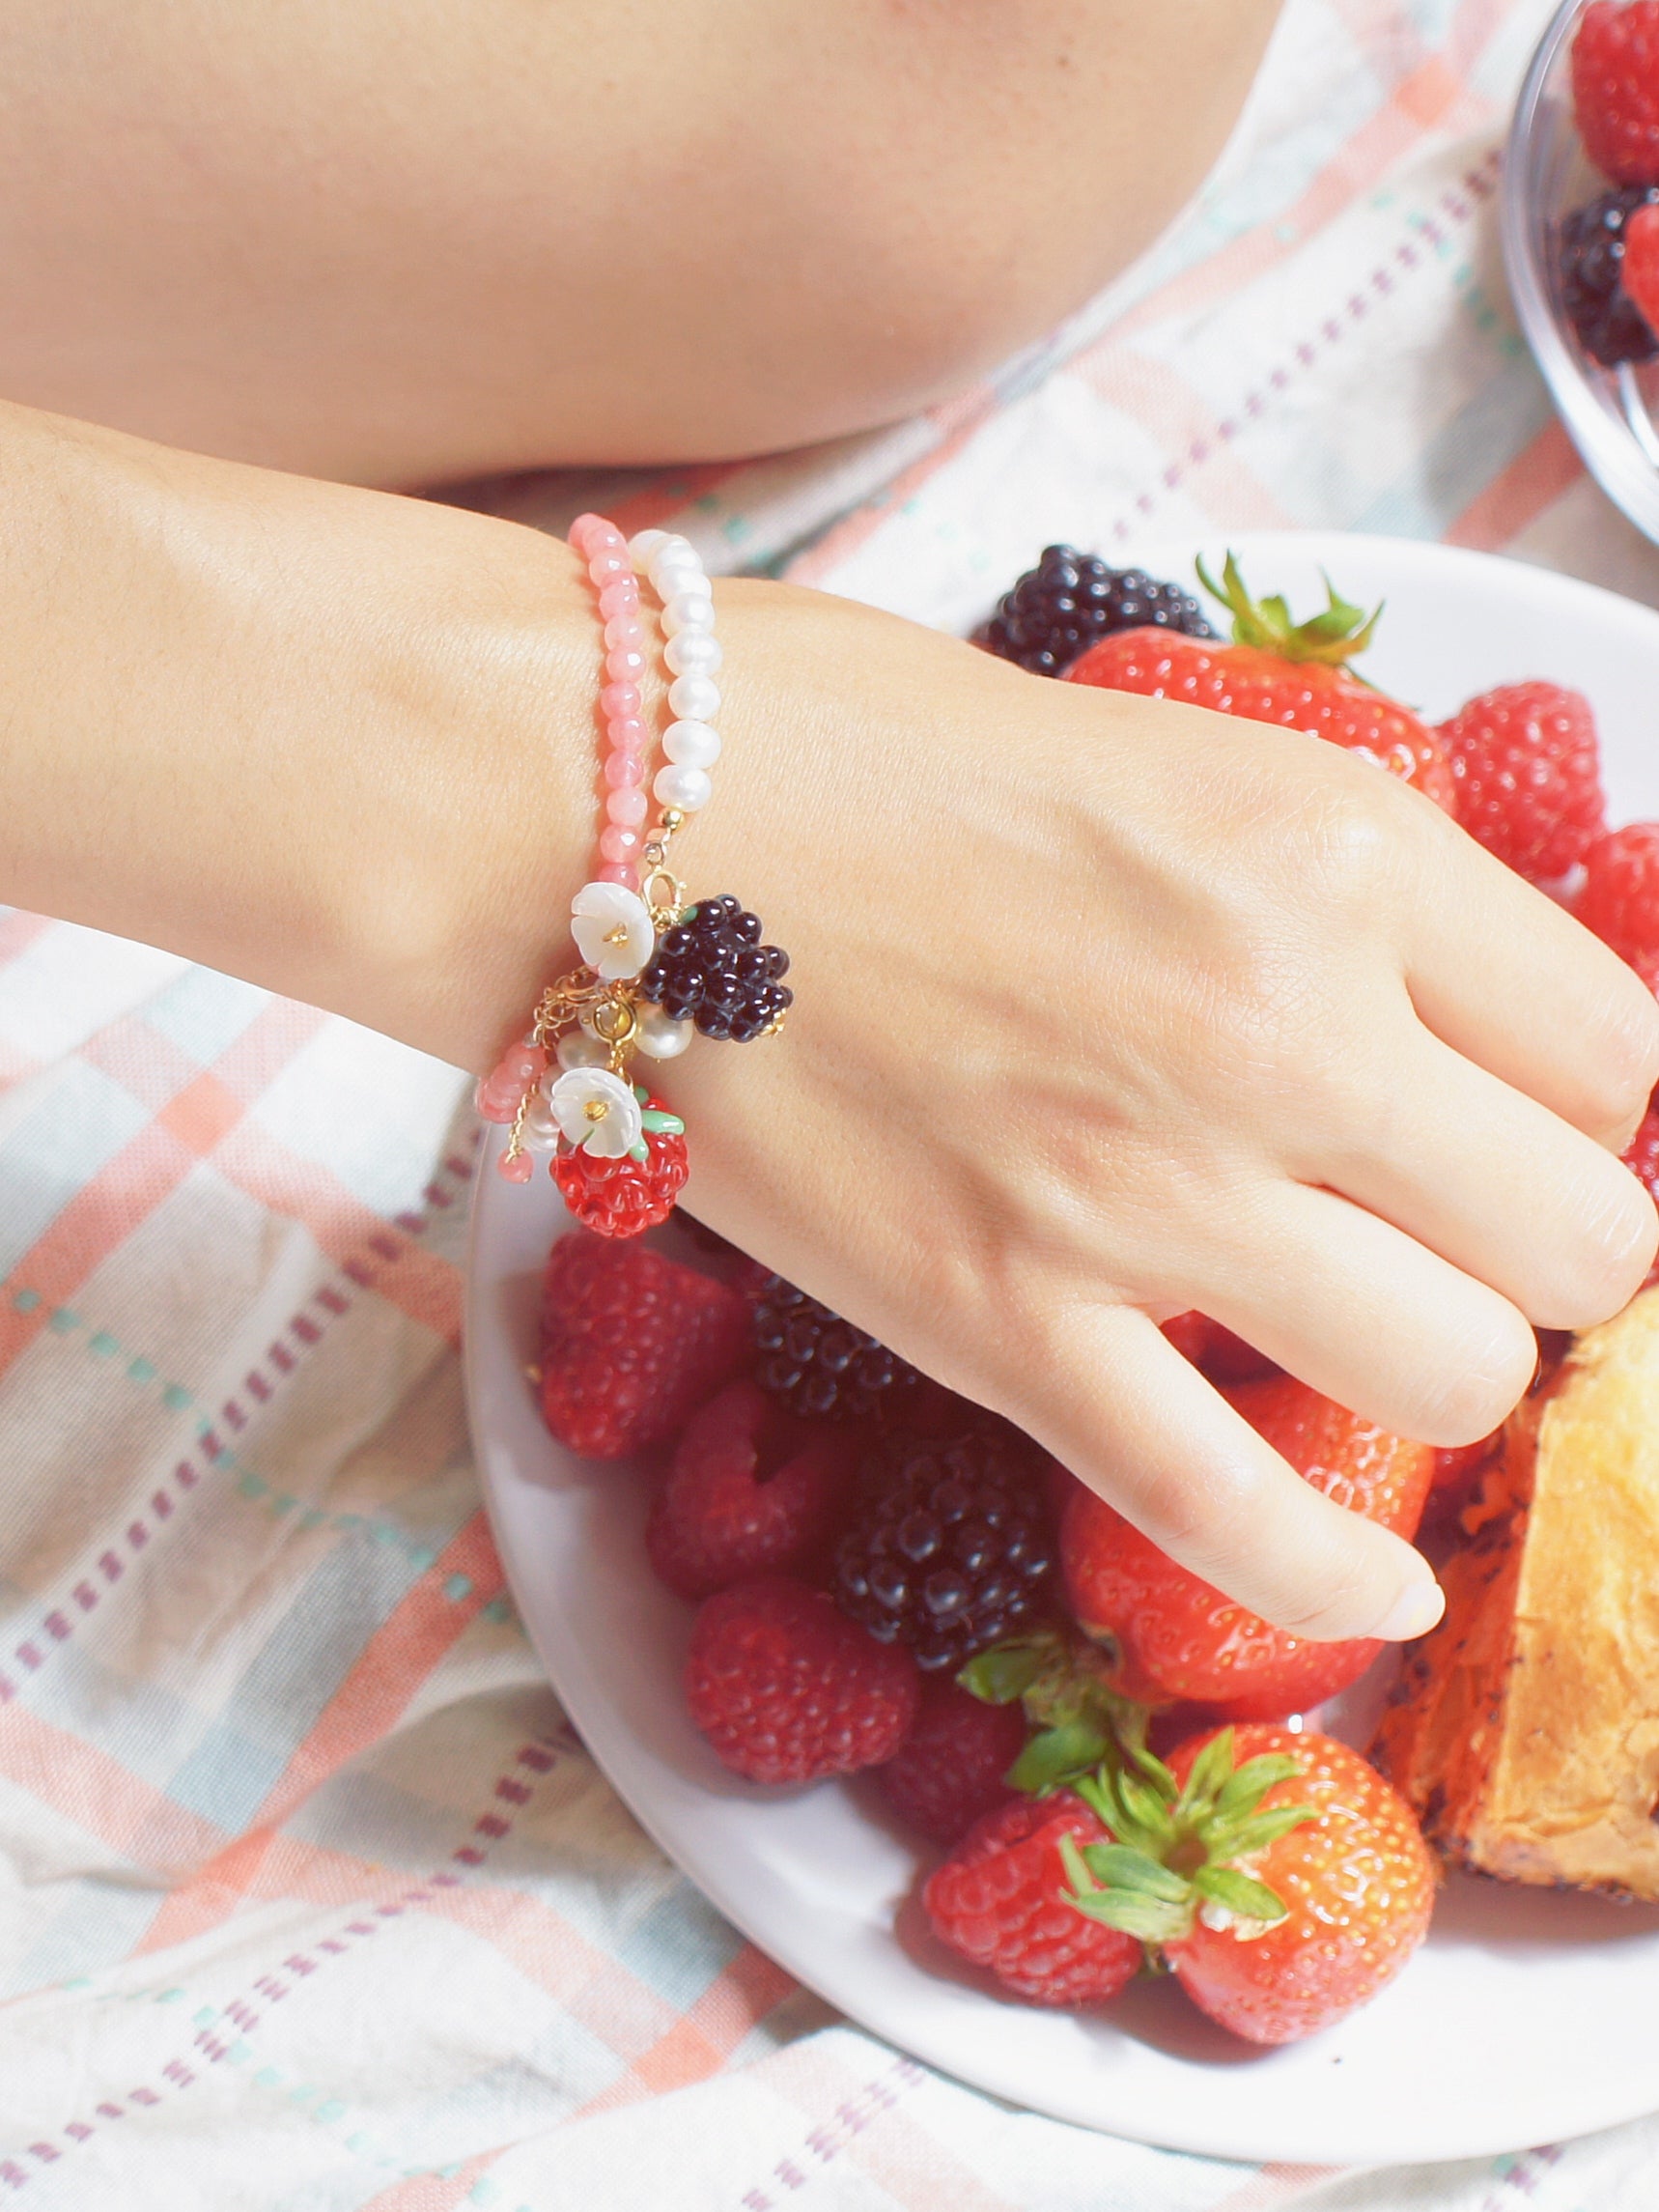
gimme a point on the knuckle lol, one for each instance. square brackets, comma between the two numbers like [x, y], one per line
[1353, 851]
[1615, 1229]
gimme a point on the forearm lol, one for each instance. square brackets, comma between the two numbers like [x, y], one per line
[335, 742]
[412, 240]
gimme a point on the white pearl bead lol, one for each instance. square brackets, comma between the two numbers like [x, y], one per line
[691, 744]
[688, 788]
[694, 653]
[539, 1132]
[580, 1050]
[688, 610]
[645, 545]
[660, 1037]
[695, 698]
[678, 557]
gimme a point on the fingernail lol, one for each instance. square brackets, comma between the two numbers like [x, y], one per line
[1413, 1613]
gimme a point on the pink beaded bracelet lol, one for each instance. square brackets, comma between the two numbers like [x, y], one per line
[655, 968]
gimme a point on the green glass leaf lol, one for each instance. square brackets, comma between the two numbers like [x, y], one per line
[661, 1124]
[1239, 1894]
[1057, 1755]
[639, 1153]
[1002, 1675]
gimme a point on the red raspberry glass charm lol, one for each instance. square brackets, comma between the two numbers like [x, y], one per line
[626, 1197]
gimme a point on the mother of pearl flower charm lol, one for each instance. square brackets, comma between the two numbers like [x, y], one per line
[613, 929]
[597, 1111]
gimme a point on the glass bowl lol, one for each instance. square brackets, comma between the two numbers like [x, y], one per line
[1610, 414]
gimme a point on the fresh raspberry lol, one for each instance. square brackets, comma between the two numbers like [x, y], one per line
[1070, 600]
[953, 1549]
[821, 1365]
[632, 1344]
[1621, 895]
[1529, 776]
[621, 1198]
[949, 1771]
[1589, 257]
[787, 1690]
[751, 1491]
[1000, 1900]
[1615, 88]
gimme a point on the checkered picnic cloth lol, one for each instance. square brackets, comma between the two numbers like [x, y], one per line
[310, 1901]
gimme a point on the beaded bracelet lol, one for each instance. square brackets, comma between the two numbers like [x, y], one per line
[655, 968]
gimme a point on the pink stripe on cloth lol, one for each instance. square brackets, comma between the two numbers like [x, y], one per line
[1536, 480]
[86, 1785]
[700, 2041]
[391, 1667]
[1276, 2184]
[362, 1244]
[432, 2192]
[19, 930]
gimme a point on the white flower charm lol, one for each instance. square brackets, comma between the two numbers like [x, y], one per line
[613, 929]
[597, 1111]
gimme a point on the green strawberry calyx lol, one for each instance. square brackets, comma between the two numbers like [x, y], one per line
[1062, 1681]
[1175, 1852]
[1332, 639]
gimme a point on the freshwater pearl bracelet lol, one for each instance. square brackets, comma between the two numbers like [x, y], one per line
[655, 968]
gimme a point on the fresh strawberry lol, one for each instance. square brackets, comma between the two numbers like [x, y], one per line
[1177, 1635]
[1216, 1350]
[949, 1769]
[1615, 88]
[1621, 895]
[1275, 671]
[1280, 1876]
[632, 1344]
[626, 1197]
[1529, 776]
[999, 1899]
[787, 1690]
[749, 1492]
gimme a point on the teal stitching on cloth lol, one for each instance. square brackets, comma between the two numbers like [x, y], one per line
[250, 1484]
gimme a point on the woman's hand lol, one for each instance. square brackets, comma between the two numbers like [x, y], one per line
[1106, 1008]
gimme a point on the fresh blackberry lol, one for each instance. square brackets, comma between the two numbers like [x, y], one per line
[820, 1365]
[1589, 257]
[1070, 600]
[952, 1551]
[714, 968]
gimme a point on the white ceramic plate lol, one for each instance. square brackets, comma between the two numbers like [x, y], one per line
[1526, 2017]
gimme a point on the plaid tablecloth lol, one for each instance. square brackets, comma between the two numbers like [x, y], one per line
[309, 1899]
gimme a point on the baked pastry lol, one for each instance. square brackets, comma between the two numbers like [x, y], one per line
[1524, 1732]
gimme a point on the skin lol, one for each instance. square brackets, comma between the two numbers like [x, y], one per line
[405, 241]
[1107, 1008]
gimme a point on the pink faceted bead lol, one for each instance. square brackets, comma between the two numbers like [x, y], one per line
[627, 733]
[626, 807]
[495, 1104]
[606, 566]
[618, 843]
[581, 531]
[617, 700]
[624, 769]
[618, 871]
[516, 1167]
[622, 597]
[626, 630]
[625, 664]
[520, 1065]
